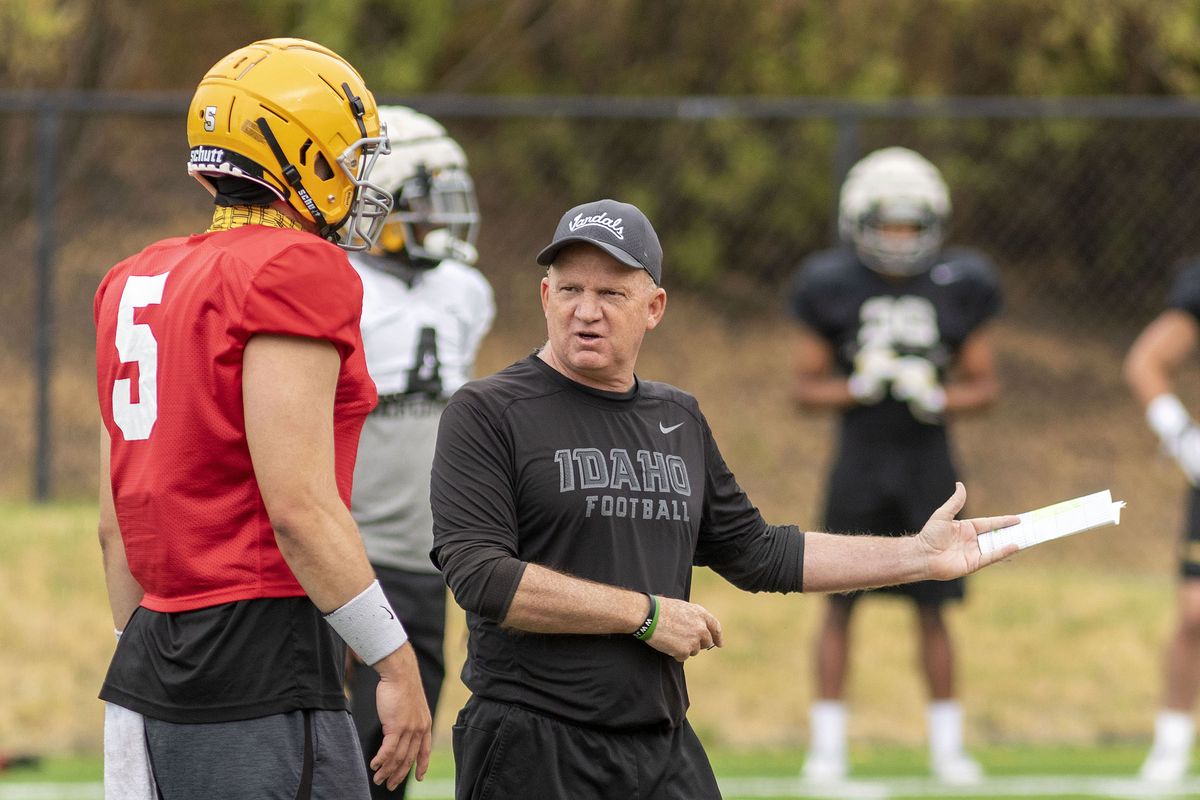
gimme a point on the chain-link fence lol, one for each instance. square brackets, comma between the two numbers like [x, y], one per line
[1086, 205]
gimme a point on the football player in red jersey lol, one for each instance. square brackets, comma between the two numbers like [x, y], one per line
[232, 388]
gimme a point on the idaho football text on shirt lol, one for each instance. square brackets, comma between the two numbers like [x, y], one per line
[585, 468]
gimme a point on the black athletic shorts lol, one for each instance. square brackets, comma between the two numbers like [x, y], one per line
[891, 492]
[1189, 545]
[507, 752]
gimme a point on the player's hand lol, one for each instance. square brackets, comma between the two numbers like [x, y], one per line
[951, 546]
[684, 629]
[407, 725]
[872, 372]
[915, 381]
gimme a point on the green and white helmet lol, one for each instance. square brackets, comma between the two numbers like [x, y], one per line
[435, 214]
[894, 186]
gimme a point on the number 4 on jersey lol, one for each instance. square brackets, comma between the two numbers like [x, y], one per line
[136, 344]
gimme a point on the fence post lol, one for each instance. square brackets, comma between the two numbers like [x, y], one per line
[845, 153]
[45, 143]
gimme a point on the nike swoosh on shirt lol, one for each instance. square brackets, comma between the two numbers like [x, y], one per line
[668, 430]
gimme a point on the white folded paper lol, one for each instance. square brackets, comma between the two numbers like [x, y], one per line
[1056, 521]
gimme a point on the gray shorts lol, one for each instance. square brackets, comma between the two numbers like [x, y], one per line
[294, 756]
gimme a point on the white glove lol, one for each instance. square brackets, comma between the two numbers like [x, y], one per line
[915, 381]
[1178, 432]
[872, 372]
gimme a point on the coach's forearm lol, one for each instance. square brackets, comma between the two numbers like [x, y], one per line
[834, 563]
[550, 602]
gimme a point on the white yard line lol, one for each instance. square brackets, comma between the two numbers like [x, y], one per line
[1113, 787]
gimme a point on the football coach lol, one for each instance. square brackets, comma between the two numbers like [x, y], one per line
[571, 500]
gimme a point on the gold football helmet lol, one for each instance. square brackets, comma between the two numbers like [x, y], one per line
[296, 118]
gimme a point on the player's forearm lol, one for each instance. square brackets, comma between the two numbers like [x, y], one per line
[834, 563]
[816, 394]
[124, 592]
[1146, 378]
[550, 602]
[324, 550]
[971, 395]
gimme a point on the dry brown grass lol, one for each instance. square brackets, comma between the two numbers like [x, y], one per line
[1061, 645]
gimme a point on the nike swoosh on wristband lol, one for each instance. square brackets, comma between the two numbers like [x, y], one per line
[668, 430]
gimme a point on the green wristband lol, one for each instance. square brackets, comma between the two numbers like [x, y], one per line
[646, 629]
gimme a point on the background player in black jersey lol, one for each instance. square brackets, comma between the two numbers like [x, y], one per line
[571, 500]
[892, 335]
[1158, 352]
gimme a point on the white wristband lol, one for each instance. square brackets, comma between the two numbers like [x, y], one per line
[369, 625]
[1167, 417]
[117, 633]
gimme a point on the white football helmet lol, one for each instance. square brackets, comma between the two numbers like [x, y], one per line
[894, 186]
[435, 214]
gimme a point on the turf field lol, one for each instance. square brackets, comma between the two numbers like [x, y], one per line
[880, 774]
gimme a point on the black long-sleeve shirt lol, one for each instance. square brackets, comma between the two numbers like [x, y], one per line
[623, 489]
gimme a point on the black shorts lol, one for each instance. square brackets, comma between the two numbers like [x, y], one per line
[891, 493]
[507, 752]
[1189, 545]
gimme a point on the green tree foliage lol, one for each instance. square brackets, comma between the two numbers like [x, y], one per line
[713, 184]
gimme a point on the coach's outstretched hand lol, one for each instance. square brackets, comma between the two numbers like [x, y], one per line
[684, 629]
[952, 545]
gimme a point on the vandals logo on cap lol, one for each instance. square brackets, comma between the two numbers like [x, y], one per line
[602, 220]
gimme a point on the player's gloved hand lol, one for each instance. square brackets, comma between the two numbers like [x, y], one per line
[915, 381]
[872, 372]
[1178, 433]
[684, 629]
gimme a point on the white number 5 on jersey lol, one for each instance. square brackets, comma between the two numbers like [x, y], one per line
[136, 343]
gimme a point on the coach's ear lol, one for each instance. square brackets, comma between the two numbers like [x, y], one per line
[656, 308]
[545, 295]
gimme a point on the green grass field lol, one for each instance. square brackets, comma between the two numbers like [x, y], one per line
[879, 772]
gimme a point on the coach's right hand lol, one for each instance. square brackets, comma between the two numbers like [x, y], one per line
[407, 724]
[684, 629]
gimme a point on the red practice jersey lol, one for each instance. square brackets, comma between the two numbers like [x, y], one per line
[172, 323]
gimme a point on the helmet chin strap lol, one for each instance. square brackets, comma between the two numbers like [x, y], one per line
[292, 176]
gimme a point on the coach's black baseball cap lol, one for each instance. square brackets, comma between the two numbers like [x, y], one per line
[619, 229]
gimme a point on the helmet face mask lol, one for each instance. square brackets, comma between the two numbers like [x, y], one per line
[893, 209]
[296, 118]
[898, 241]
[435, 211]
[440, 215]
[372, 203]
